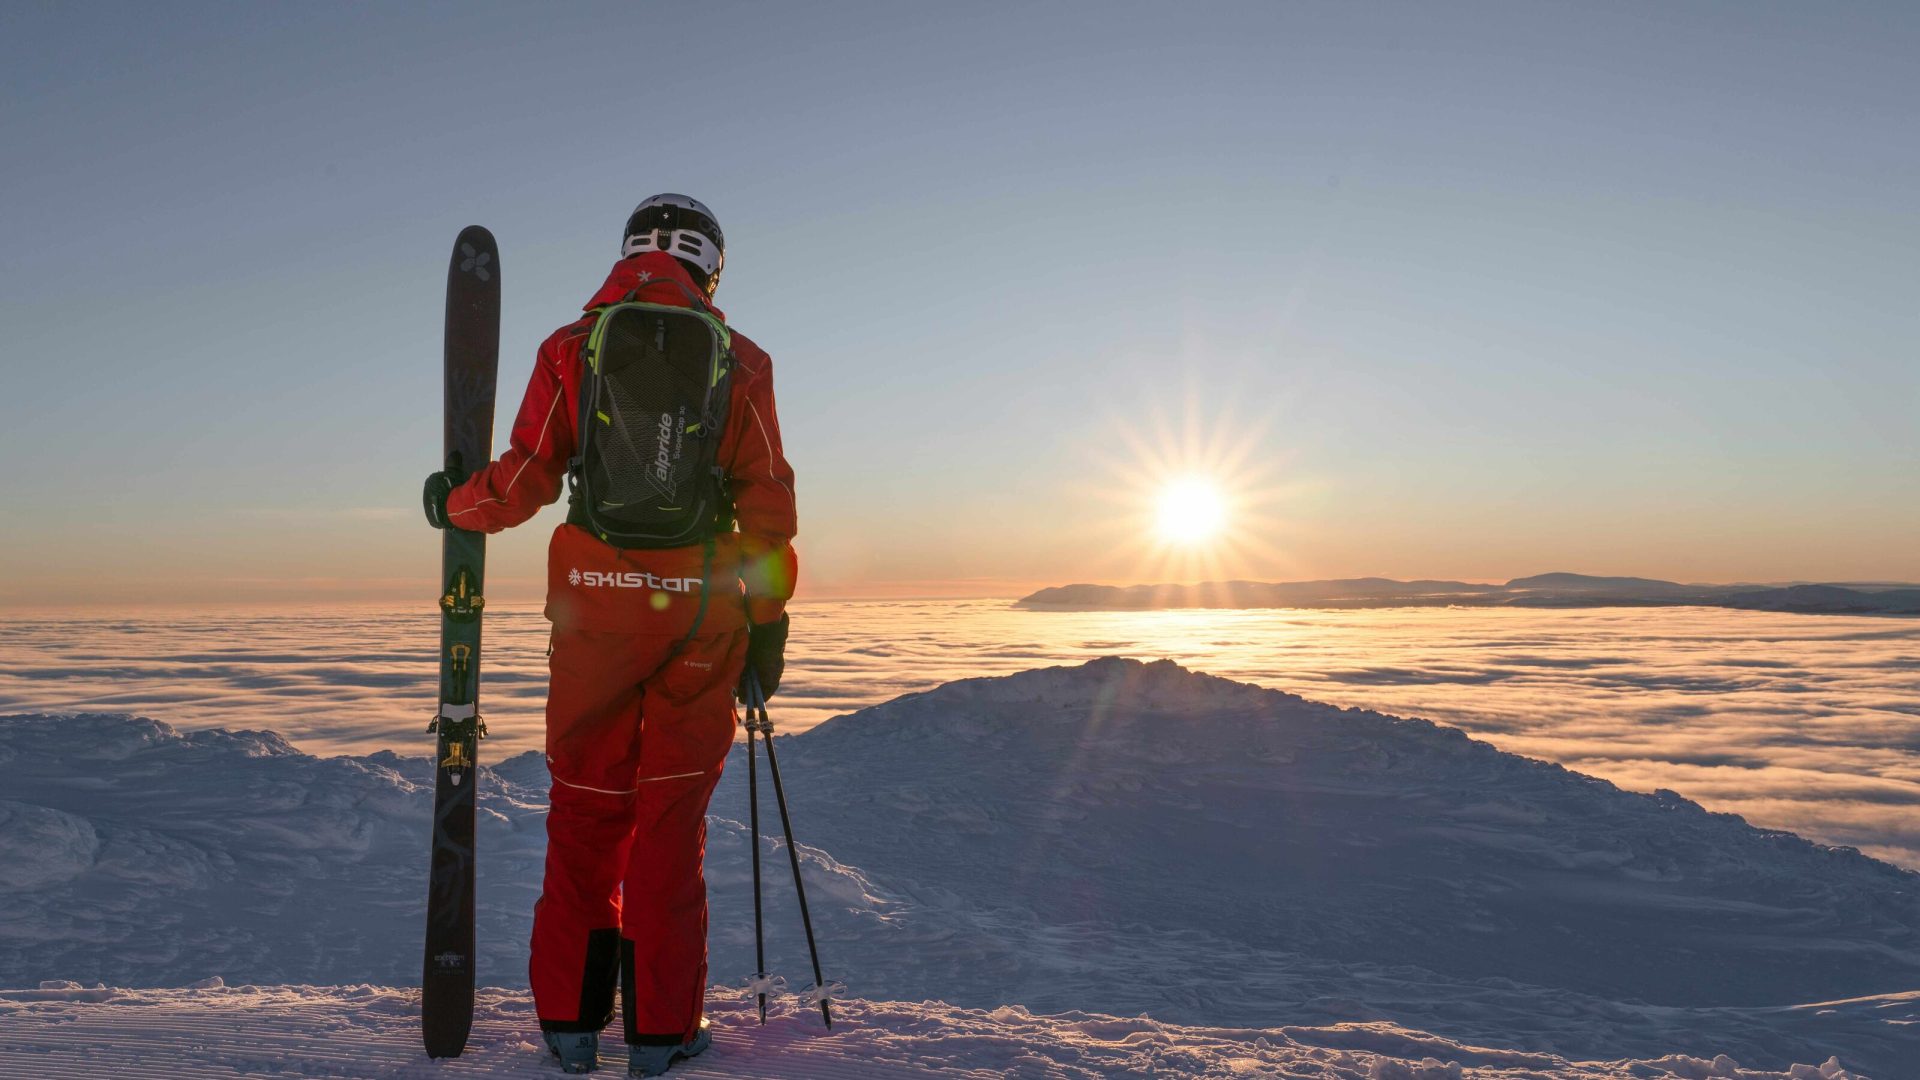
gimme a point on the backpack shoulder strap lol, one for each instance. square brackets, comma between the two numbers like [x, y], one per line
[583, 327]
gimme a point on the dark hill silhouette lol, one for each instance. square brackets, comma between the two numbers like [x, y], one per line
[1557, 589]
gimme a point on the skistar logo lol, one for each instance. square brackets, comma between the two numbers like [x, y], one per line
[448, 960]
[630, 579]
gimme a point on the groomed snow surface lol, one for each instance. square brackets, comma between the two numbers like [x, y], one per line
[1284, 888]
[368, 1031]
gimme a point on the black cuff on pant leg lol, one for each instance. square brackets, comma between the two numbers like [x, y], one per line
[675, 1039]
[627, 991]
[627, 988]
[568, 1027]
[597, 974]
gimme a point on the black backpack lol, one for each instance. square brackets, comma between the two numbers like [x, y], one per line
[654, 388]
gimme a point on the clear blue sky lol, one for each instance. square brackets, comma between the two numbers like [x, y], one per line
[1479, 289]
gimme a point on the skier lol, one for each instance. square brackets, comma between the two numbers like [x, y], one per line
[649, 646]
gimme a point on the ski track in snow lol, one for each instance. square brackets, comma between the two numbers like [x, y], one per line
[1117, 837]
[372, 1032]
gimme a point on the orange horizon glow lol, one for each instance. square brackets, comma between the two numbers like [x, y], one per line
[1175, 492]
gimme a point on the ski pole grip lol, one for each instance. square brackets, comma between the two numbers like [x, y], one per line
[756, 702]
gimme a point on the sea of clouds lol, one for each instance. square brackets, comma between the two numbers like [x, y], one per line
[1808, 723]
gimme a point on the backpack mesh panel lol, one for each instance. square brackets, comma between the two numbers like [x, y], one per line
[644, 468]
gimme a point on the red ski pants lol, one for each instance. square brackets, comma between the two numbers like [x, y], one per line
[637, 732]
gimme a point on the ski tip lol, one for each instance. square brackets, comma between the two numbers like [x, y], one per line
[475, 240]
[475, 254]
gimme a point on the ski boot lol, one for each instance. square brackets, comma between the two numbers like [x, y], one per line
[654, 1060]
[578, 1051]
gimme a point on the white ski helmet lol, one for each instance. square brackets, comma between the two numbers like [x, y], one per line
[682, 227]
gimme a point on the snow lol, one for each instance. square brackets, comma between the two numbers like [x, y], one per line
[372, 1032]
[1112, 839]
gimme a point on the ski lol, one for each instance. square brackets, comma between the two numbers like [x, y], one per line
[472, 355]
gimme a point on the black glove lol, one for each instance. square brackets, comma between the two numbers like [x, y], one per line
[440, 485]
[766, 655]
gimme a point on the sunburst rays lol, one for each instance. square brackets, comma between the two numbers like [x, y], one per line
[1200, 491]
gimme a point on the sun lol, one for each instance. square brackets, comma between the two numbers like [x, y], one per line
[1189, 510]
[1196, 489]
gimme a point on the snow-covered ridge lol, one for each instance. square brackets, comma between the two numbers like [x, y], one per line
[1348, 835]
[1115, 837]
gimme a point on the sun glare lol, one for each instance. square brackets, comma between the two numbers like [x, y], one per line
[1198, 490]
[1190, 510]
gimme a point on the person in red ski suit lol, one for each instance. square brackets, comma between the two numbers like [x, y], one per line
[640, 714]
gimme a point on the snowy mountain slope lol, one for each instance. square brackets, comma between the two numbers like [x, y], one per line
[1146, 795]
[136, 854]
[366, 1031]
[1115, 837]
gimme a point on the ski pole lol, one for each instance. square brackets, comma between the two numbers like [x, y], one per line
[753, 812]
[793, 851]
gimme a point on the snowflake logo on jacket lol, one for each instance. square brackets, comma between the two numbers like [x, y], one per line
[476, 262]
[573, 576]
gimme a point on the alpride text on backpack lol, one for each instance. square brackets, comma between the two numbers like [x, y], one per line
[654, 389]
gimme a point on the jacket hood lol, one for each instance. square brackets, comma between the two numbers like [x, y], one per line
[649, 273]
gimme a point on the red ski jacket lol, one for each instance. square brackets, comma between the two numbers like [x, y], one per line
[594, 586]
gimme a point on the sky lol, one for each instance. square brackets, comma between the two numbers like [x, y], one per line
[1466, 290]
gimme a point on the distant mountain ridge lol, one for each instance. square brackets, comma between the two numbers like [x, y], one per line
[1558, 589]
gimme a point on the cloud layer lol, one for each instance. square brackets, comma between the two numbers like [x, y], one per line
[1797, 722]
